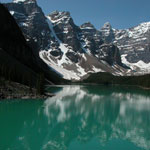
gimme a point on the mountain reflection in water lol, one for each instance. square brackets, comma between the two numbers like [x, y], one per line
[78, 118]
[83, 113]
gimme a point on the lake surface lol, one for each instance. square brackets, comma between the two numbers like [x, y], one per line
[78, 118]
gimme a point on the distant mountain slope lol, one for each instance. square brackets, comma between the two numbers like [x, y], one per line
[133, 43]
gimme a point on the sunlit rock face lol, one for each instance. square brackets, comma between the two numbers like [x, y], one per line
[108, 115]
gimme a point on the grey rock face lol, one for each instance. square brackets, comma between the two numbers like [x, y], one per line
[90, 38]
[81, 39]
[134, 42]
[32, 22]
[107, 33]
[65, 29]
[110, 54]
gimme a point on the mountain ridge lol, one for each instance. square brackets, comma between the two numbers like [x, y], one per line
[69, 50]
[74, 51]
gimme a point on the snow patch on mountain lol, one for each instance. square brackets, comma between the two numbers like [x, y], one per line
[61, 45]
[66, 74]
[60, 17]
[12, 12]
[17, 1]
[142, 67]
[139, 30]
[22, 1]
[97, 69]
[59, 64]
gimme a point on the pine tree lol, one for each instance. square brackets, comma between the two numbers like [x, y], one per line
[40, 84]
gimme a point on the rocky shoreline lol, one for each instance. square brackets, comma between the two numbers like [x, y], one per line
[13, 90]
[24, 96]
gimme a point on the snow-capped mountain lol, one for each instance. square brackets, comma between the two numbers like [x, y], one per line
[133, 43]
[74, 58]
[69, 50]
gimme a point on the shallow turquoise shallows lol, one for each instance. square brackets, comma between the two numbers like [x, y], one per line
[78, 118]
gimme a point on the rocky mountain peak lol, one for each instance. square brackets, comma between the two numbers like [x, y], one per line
[60, 16]
[65, 29]
[107, 32]
[32, 22]
[25, 7]
[87, 25]
[107, 25]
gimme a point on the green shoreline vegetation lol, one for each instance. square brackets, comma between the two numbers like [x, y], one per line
[105, 78]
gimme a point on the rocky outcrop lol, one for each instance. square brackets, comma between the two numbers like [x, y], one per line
[109, 53]
[90, 38]
[107, 33]
[32, 22]
[65, 29]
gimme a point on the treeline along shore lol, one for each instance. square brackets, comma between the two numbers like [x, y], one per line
[109, 79]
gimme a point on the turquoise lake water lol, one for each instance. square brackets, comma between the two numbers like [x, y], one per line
[78, 118]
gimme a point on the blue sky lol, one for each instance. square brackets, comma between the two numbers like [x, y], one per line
[120, 13]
